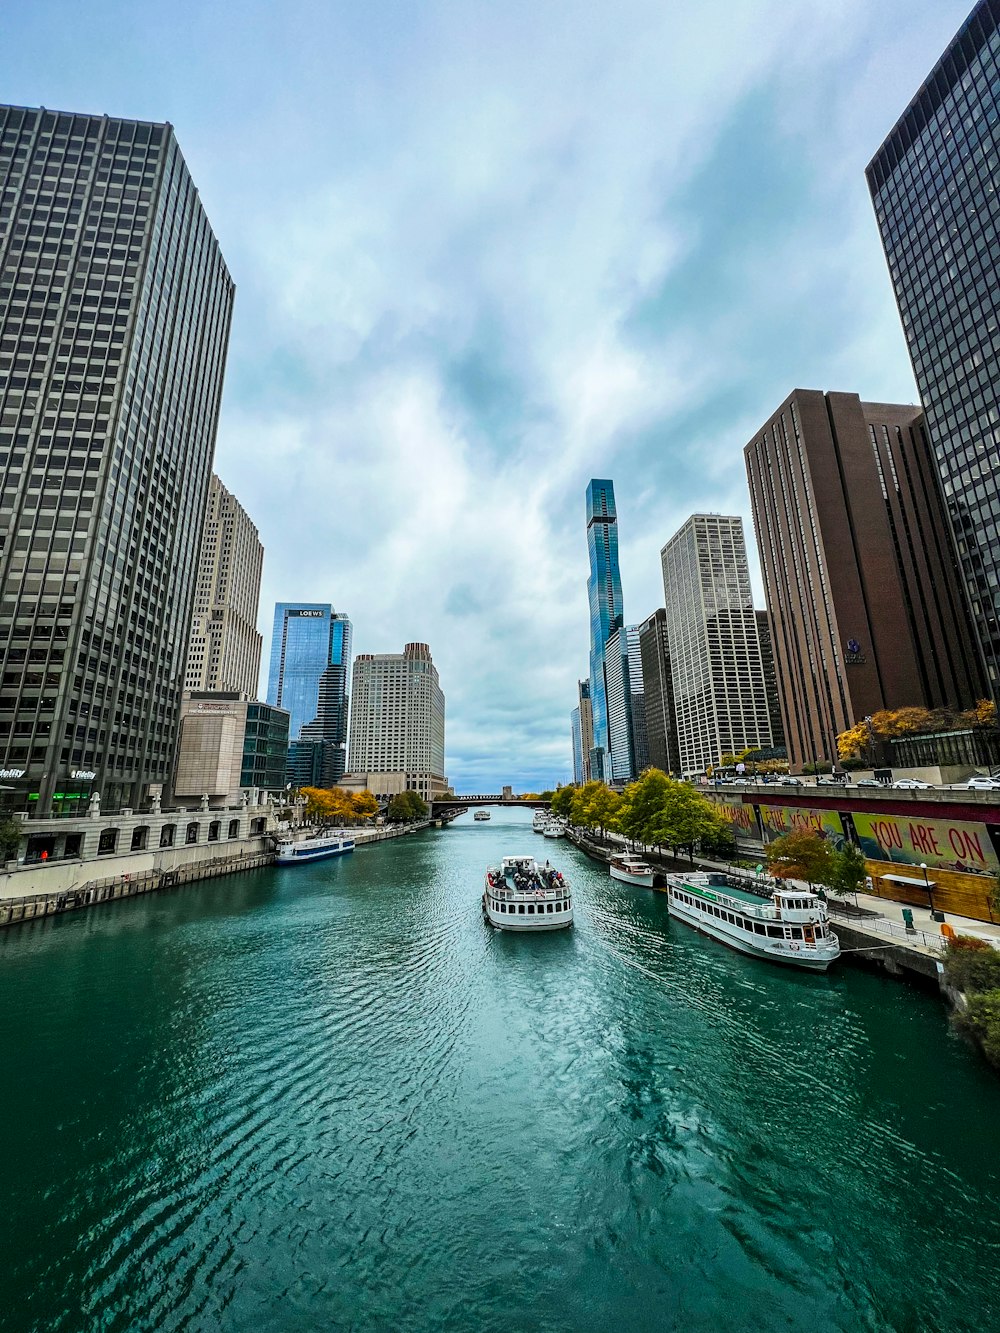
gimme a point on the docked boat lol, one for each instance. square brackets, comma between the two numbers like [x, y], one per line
[631, 869]
[554, 830]
[317, 847]
[481, 815]
[541, 818]
[520, 894]
[791, 927]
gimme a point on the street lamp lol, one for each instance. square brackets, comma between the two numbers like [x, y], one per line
[927, 886]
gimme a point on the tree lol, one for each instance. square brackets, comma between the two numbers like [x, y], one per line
[800, 854]
[10, 838]
[562, 801]
[364, 804]
[848, 872]
[683, 818]
[851, 744]
[640, 801]
[407, 806]
[983, 715]
[595, 806]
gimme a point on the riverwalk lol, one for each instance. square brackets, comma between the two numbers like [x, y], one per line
[57, 899]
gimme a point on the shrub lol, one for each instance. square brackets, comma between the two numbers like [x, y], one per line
[981, 1020]
[972, 965]
[851, 765]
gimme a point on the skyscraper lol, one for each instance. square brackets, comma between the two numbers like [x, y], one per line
[618, 695]
[658, 693]
[308, 639]
[224, 648]
[933, 184]
[115, 306]
[770, 680]
[582, 733]
[719, 696]
[860, 576]
[397, 722]
[604, 590]
[637, 705]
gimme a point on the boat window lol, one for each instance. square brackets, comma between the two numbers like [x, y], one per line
[531, 909]
[776, 932]
[796, 932]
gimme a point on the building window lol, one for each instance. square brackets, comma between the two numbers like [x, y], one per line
[214, 829]
[140, 838]
[108, 841]
[192, 832]
[234, 828]
[167, 834]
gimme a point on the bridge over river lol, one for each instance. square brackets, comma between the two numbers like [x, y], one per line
[494, 798]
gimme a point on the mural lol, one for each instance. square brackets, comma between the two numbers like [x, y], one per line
[780, 819]
[742, 819]
[944, 844]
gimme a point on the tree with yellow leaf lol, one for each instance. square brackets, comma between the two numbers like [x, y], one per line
[364, 804]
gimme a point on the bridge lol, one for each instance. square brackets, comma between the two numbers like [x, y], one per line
[457, 803]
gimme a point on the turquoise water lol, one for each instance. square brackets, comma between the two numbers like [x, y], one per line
[330, 1098]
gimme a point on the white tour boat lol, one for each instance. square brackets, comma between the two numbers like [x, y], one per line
[790, 927]
[317, 847]
[480, 815]
[541, 818]
[554, 830]
[631, 869]
[519, 894]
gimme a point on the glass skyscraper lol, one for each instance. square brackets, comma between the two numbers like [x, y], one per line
[604, 590]
[934, 186]
[115, 305]
[310, 661]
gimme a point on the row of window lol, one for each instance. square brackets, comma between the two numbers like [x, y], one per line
[528, 909]
[776, 932]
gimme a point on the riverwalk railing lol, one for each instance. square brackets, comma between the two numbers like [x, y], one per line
[880, 925]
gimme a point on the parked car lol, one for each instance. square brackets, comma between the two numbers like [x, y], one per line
[982, 784]
[829, 781]
[913, 784]
[792, 782]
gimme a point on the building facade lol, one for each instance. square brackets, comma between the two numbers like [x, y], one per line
[637, 706]
[861, 581]
[770, 680]
[720, 700]
[229, 744]
[586, 725]
[115, 307]
[658, 694]
[933, 185]
[618, 696]
[604, 593]
[397, 720]
[310, 663]
[225, 644]
[576, 741]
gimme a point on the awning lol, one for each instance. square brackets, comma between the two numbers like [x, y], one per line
[907, 879]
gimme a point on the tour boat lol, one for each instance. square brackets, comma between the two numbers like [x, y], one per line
[317, 847]
[789, 928]
[554, 830]
[541, 818]
[632, 869]
[519, 894]
[481, 815]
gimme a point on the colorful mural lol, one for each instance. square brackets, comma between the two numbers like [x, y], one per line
[742, 819]
[945, 844]
[780, 819]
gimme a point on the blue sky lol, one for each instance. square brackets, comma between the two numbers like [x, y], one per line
[484, 252]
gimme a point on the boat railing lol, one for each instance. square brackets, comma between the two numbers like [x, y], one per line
[762, 911]
[528, 895]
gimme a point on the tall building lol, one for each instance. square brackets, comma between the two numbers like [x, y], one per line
[770, 680]
[397, 722]
[720, 701]
[308, 639]
[582, 733]
[224, 648]
[115, 306]
[637, 706]
[658, 694]
[933, 184]
[860, 578]
[618, 695]
[604, 591]
[576, 737]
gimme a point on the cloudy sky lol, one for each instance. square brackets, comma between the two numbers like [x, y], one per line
[487, 249]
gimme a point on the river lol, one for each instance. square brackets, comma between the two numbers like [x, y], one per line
[330, 1098]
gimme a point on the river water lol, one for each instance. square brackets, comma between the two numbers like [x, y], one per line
[331, 1098]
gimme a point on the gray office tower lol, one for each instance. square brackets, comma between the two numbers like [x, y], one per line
[933, 184]
[115, 306]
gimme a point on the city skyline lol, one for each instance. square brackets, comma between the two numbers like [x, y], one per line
[402, 334]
